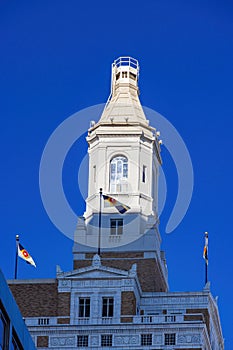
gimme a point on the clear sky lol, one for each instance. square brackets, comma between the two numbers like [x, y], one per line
[55, 60]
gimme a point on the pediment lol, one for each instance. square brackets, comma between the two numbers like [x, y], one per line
[96, 270]
[88, 273]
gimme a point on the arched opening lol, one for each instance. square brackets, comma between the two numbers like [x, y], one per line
[119, 174]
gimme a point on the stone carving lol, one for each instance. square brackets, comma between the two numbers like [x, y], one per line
[189, 338]
[125, 340]
[65, 283]
[58, 269]
[62, 341]
[158, 339]
[96, 262]
[181, 339]
[133, 270]
[94, 340]
[134, 340]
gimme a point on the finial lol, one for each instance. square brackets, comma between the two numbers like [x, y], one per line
[96, 262]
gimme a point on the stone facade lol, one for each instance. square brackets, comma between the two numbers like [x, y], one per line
[132, 318]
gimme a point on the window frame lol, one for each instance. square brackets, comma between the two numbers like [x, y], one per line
[108, 308]
[84, 309]
[118, 174]
[144, 173]
[106, 340]
[169, 338]
[146, 339]
[82, 341]
[116, 227]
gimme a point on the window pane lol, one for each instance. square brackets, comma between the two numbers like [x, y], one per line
[118, 174]
[120, 227]
[146, 339]
[113, 171]
[144, 173]
[82, 341]
[116, 226]
[110, 311]
[170, 339]
[125, 170]
[113, 227]
[84, 307]
[119, 167]
[106, 340]
[107, 310]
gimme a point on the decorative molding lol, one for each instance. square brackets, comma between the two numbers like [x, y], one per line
[62, 341]
[94, 340]
[189, 338]
[158, 339]
[125, 340]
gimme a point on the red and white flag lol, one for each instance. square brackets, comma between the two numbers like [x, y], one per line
[23, 253]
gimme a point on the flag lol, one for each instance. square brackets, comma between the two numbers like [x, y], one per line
[111, 202]
[205, 250]
[23, 253]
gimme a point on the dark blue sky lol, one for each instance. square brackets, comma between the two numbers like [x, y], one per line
[55, 60]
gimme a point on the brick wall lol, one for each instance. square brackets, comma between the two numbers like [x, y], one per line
[149, 273]
[204, 312]
[35, 300]
[42, 342]
[40, 299]
[128, 303]
[63, 307]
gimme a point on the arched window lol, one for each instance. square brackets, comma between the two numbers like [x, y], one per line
[119, 174]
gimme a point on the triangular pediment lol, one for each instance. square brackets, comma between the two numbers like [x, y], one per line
[96, 270]
[95, 273]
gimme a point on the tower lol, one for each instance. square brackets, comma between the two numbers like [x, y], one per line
[119, 298]
[124, 160]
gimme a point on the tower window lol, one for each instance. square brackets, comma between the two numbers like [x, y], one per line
[146, 339]
[124, 74]
[84, 307]
[144, 173]
[169, 339]
[117, 76]
[118, 174]
[116, 226]
[106, 340]
[107, 309]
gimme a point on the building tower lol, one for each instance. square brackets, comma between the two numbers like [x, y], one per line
[119, 298]
[124, 160]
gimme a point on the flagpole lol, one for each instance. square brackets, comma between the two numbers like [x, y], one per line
[100, 209]
[207, 257]
[16, 256]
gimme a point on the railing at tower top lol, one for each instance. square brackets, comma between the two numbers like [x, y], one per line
[126, 61]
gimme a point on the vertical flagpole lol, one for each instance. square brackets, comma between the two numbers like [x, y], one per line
[16, 256]
[206, 258]
[100, 210]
